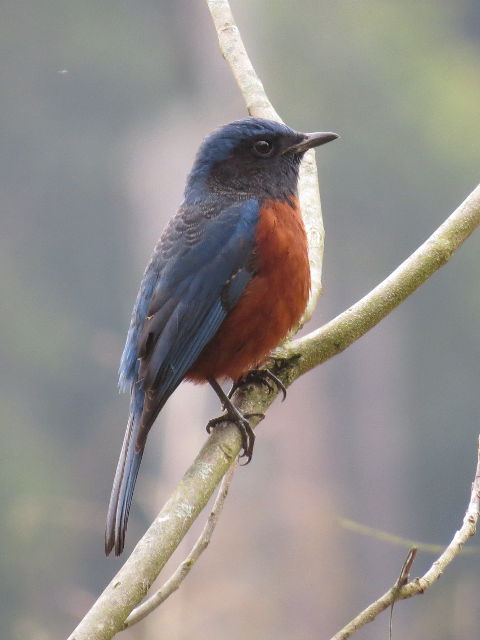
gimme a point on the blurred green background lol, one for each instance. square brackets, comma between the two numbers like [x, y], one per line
[101, 110]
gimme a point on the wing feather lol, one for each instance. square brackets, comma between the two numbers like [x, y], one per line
[199, 269]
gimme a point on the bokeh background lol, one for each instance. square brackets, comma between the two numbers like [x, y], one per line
[102, 107]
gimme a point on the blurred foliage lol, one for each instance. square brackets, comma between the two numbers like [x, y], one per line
[96, 96]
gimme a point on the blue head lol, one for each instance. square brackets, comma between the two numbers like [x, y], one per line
[251, 158]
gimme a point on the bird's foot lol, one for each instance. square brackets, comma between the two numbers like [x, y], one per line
[241, 421]
[260, 376]
[235, 416]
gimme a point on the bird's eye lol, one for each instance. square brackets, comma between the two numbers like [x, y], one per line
[263, 148]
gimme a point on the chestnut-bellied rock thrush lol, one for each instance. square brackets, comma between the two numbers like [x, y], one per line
[227, 281]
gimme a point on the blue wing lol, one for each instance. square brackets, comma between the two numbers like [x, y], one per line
[185, 295]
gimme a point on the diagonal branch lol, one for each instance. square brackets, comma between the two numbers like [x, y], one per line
[235, 54]
[183, 569]
[258, 104]
[132, 582]
[420, 585]
[335, 336]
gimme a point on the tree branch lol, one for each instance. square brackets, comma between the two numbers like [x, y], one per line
[258, 104]
[128, 588]
[335, 336]
[420, 585]
[183, 569]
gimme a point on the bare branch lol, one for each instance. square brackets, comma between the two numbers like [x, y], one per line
[335, 336]
[132, 582]
[420, 585]
[258, 104]
[234, 52]
[182, 571]
[403, 578]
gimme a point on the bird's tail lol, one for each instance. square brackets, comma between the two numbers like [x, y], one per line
[124, 482]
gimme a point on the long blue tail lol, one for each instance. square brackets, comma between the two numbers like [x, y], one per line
[125, 478]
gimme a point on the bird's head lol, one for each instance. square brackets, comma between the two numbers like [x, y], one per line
[252, 158]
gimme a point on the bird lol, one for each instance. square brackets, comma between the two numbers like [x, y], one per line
[227, 280]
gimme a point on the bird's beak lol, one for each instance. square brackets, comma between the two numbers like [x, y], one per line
[312, 140]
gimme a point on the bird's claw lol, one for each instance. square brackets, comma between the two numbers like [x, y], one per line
[260, 376]
[246, 432]
[213, 423]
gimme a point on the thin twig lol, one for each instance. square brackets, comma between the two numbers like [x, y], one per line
[258, 104]
[403, 578]
[183, 569]
[420, 585]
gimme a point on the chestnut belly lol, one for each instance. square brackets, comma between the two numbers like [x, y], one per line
[271, 305]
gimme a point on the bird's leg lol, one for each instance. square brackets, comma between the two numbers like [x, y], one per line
[246, 431]
[261, 376]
